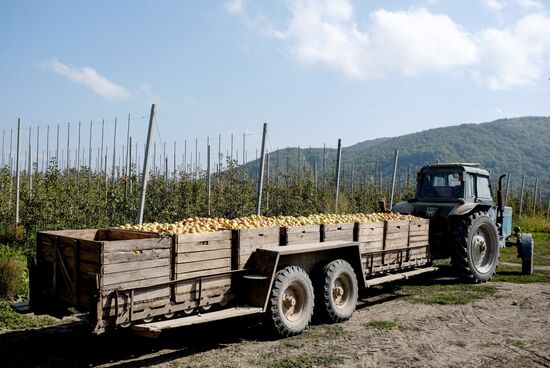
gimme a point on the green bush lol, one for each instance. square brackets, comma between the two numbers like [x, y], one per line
[533, 224]
[14, 275]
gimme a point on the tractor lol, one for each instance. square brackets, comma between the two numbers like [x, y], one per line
[465, 222]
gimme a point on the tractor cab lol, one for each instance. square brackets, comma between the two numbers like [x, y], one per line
[465, 222]
[447, 190]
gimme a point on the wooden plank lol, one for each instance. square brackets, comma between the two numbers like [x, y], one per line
[339, 235]
[85, 267]
[303, 229]
[265, 231]
[396, 243]
[301, 238]
[201, 273]
[370, 247]
[90, 246]
[137, 283]
[130, 276]
[397, 235]
[139, 265]
[339, 227]
[121, 234]
[197, 237]
[203, 265]
[137, 245]
[370, 238]
[153, 329]
[200, 246]
[90, 257]
[203, 256]
[421, 238]
[397, 227]
[257, 240]
[86, 234]
[135, 256]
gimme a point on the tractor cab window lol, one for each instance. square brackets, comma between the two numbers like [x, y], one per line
[441, 184]
[483, 187]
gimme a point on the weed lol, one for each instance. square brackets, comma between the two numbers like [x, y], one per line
[14, 279]
[518, 343]
[513, 275]
[447, 294]
[384, 325]
[300, 361]
[11, 320]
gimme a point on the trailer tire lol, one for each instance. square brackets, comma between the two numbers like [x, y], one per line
[475, 250]
[337, 292]
[291, 302]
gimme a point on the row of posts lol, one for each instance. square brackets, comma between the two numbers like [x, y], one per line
[262, 164]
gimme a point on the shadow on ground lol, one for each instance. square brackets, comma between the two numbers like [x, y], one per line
[71, 345]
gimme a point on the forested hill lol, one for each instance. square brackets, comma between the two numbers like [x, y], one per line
[516, 146]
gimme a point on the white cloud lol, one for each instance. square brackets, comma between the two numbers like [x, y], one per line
[517, 56]
[234, 6]
[494, 5]
[88, 77]
[416, 41]
[408, 42]
[530, 4]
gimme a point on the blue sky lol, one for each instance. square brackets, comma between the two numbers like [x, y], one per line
[314, 70]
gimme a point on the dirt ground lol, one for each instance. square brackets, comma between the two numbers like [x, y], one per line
[510, 328]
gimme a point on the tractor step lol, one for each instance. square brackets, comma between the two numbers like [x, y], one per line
[154, 329]
[398, 276]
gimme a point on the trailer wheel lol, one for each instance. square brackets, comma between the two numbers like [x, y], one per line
[291, 302]
[337, 292]
[475, 252]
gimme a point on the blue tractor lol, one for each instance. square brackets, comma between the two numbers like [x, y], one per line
[465, 222]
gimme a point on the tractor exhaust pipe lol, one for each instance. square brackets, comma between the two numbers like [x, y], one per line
[501, 202]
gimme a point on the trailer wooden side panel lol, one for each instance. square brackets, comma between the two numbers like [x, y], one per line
[199, 257]
[292, 235]
[332, 232]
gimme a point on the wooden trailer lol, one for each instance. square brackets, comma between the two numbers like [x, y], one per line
[130, 278]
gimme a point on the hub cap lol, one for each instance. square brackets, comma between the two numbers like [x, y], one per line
[293, 302]
[482, 252]
[341, 290]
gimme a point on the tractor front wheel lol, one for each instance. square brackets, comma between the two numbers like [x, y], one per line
[476, 251]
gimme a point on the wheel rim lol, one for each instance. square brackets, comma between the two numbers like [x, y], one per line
[483, 249]
[293, 302]
[341, 290]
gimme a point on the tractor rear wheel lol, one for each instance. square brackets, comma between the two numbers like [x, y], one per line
[475, 252]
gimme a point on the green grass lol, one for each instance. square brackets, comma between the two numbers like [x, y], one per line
[447, 293]
[384, 325]
[513, 275]
[11, 320]
[269, 360]
[518, 343]
[541, 255]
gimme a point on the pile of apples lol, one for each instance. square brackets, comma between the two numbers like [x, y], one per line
[208, 224]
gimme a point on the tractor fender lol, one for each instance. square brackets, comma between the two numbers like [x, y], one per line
[467, 208]
[403, 208]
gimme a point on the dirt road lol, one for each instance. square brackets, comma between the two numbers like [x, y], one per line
[510, 328]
